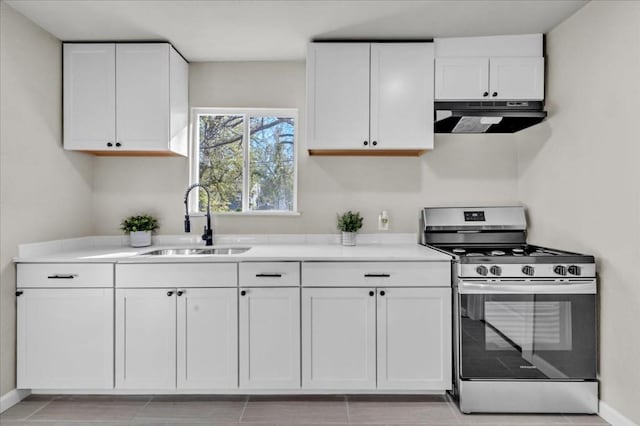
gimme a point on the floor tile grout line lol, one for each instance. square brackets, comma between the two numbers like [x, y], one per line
[346, 403]
[244, 407]
[133, 418]
[38, 410]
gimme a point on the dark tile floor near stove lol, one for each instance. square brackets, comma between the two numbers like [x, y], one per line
[266, 410]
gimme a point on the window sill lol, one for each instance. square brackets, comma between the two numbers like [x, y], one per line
[240, 214]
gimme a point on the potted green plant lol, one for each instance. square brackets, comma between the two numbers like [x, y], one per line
[139, 229]
[349, 223]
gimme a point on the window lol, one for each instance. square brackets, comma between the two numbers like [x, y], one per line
[246, 158]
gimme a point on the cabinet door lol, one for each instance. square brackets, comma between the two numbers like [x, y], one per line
[339, 338]
[142, 104]
[414, 338]
[517, 78]
[338, 95]
[89, 99]
[145, 338]
[65, 339]
[270, 338]
[462, 78]
[207, 338]
[402, 96]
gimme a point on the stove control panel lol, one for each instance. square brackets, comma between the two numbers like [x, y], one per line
[519, 270]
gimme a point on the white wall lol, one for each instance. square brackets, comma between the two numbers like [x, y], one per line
[45, 192]
[468, 168]
[580, 175]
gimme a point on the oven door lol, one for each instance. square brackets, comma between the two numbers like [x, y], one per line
[511, 330]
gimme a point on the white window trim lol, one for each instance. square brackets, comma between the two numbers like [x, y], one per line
[194, 175]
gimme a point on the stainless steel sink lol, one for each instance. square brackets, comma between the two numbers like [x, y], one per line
[196, 251]
[224, 250]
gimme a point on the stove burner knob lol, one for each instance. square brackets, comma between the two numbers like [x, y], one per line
[560, 270]
[482, 270]
[528, 270]
[496, 270]
[574, 270]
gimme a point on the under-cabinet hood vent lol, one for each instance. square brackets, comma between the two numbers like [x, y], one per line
[487, 117]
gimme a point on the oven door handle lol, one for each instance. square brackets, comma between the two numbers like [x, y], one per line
[515, 287]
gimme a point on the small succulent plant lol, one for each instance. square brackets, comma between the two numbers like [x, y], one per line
[350, 221]
[142, 222]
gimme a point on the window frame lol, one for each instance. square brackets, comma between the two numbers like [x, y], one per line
[247, 113]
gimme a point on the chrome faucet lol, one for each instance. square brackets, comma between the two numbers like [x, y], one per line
[208, 230]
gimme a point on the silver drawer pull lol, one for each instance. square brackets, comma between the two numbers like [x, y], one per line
[62, 276]
[377, 275]
[269, 275]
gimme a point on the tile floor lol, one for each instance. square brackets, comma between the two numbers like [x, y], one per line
[267, 410]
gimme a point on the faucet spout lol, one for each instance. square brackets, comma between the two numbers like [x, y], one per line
[207, 235]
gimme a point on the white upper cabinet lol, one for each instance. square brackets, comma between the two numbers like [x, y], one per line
[142, 87]
[489, 78]
[489, 68]
[338, 95]
[516, 78]
[461, 78]
[125, 99]
[368, 98]
[89, 96]
[402, 96]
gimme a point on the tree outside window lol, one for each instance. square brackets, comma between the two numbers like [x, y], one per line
[254, 176]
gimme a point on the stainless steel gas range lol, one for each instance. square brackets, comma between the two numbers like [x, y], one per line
[524, 316]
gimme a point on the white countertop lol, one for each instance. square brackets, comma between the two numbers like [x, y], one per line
[258, 252]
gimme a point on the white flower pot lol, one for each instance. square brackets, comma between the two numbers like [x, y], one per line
[349, 238]
[140, 238]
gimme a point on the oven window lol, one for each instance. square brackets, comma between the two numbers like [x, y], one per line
[512, 322]
[528, 336]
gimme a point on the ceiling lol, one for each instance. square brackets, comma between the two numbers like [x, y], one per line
[243, 30]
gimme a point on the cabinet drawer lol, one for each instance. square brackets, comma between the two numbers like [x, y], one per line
[269, 274]
[177, 275]
[376, 274]
[64, 275]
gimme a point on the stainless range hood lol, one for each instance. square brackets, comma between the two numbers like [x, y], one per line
[487, 116]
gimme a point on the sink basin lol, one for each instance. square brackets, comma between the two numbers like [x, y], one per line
[195, 251]
[224, 250]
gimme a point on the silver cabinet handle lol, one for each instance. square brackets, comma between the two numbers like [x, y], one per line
[377, 275]
[62, 276]
[268, 275]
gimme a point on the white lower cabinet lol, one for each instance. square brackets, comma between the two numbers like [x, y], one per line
[339, 338]
[414, 338]
[184, 338]
[65, 338]
[207, 338]
[404, 332]
[270, 338]
[145, 338]
[383, 327]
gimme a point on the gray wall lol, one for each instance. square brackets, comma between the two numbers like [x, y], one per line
[45, 192]
[580, 174]
[472, 169]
